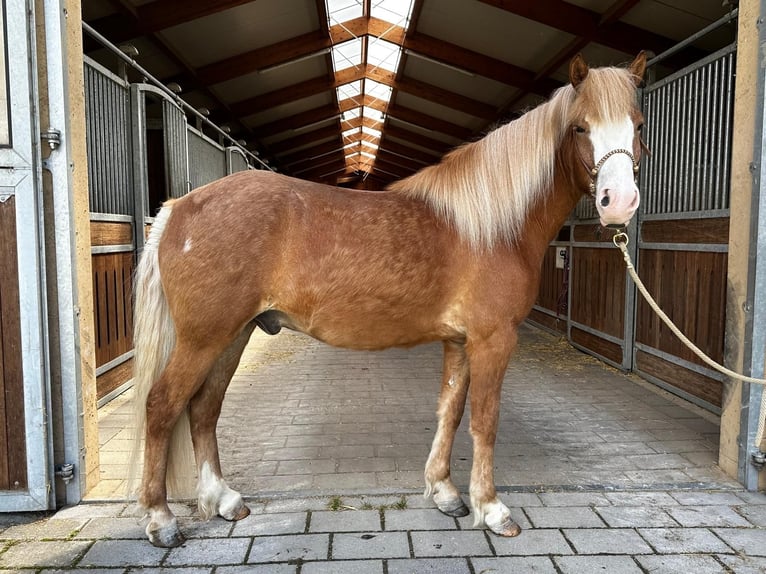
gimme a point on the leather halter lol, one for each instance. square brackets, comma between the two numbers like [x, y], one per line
[594, 172]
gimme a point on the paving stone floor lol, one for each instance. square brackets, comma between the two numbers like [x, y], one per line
[604, 473]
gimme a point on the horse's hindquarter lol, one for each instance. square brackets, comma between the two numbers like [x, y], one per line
[354, 269]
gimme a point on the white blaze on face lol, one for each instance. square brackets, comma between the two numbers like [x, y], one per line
[616, 191]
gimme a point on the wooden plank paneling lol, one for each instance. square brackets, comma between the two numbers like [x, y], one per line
[691, 382]
[113, 378]
[598, 290]
[549, 321]
[112, 292]
[110, 233]
[600, 346]
[13, 466]
[552, 293]
[711, 231]
[690, 286]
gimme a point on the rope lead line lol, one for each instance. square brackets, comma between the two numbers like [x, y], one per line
[621, 240]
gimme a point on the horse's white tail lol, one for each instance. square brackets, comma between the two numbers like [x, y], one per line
[153, 340]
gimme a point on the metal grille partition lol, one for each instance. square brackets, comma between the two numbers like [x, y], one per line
[207, 159]
[107, 101]
[689, 118]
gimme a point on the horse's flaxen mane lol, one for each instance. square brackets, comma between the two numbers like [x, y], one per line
[486, 188]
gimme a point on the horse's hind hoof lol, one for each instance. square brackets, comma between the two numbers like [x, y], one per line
[508, 529]
[236, 513]
[165, 537]
[455, 509]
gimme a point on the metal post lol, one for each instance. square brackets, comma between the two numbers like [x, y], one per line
[60, 167]
[754, 305]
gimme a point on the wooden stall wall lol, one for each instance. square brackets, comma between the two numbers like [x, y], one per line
[13, 457]
[551, 307]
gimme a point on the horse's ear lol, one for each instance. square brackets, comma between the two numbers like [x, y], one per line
[578, 70]
[638, 67]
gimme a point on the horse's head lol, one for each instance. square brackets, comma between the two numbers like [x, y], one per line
[606, 126]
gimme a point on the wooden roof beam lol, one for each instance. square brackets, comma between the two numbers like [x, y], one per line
[580, 21]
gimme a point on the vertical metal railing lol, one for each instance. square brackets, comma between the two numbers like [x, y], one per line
[110, 175]
[689, 123]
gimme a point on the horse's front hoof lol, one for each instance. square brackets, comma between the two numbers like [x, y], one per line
[455, 508]
[508, 529]
[166, 536]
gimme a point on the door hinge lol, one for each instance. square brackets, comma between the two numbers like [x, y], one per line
[53, 137]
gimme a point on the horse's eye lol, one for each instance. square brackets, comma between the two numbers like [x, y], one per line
[640, 128]
[579, 129]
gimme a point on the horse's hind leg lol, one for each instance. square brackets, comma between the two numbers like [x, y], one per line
[213, 494]
[167, 399]
[455, 379]
[488, 361]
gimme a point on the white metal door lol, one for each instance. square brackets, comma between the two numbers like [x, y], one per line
[20, 178]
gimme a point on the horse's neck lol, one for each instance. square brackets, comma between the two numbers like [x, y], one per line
[549, 214]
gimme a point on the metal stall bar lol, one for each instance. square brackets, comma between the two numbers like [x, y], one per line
[170, 94]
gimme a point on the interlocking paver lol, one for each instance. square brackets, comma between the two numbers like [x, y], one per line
[635, 516]
[44, 529]
[699, 564]
[525, 564]
[210, 551]
[750, 541]
[115, 553]
[350, 567]
[607, 541]
[683, 540]
[271, 524]
[532, 542]
[370, 545]
[418, 519]
[450, 543]
[707, 516]
[564, 517]
[597, 565]
[694, 498]
[429, 566]
[40, 554]
[744, 564]
[289, 548]
[345, 521]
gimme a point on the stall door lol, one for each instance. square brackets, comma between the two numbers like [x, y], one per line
[24, 460]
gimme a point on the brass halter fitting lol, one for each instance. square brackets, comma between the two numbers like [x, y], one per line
[602, 161]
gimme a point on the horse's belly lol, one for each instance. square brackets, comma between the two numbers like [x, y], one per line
[367, 331]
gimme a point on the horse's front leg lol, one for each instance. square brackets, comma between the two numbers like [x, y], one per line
[213, 494]
[455, 379]
[488, 361]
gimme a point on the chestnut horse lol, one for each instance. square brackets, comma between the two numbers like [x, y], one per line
[452, 254]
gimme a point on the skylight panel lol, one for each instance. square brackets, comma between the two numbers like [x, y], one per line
[352, 90]
[383, 54]
[377, 90]
[343, 10]
[352, 114]
[347, 55]
[372, 114]
[395, 11]
[372, 145]
[371, 132]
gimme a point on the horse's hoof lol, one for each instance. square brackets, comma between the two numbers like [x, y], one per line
[165, 537]
[244, 512]
[454, 508]
[508, 529]
[237, 513]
